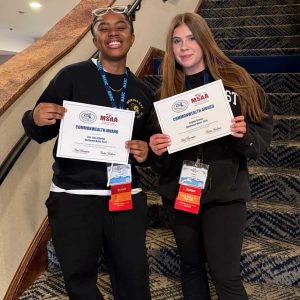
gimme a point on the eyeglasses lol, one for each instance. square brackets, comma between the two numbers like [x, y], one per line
[104, 10]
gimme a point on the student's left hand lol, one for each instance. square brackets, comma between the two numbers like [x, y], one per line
[238, 126]
[139, 149]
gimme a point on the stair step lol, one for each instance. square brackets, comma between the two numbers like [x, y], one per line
[286, 128]
[241, 3]
[279, 82]
[50, 286]
[275, 220]
[256, 31]
[249, 11]
[285, 154]
[285, 103]
[250, 21]
[263, 260]
[271, 219]
[260, 52]
[261, 43]
[276, 184]
[271, 292]
[270, 261]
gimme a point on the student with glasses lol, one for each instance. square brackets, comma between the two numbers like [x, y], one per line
[81, 219]
[212, 235]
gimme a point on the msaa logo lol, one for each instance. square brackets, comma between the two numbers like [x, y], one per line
[87, 116]
[199, 97]
[109, 118]
[180, 105]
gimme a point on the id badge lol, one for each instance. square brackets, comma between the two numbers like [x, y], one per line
[119, 178]
[192, 180]
[118, 174]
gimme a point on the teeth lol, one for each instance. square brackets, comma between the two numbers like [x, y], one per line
[114, 43]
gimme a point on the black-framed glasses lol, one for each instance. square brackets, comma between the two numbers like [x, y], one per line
[104, 10]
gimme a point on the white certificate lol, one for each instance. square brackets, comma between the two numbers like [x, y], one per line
[195, 116]
[96, 133]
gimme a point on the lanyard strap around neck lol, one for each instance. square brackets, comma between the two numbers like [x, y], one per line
[108, 88]
[205, 80]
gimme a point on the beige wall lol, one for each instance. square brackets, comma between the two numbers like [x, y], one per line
[23, 193]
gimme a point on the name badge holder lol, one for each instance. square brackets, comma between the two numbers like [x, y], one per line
[192, 181]
[119, 179]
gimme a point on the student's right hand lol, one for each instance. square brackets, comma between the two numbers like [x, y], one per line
[47, 113]
[159, 143]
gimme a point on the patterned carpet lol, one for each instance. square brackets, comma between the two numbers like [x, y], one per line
[50, 286]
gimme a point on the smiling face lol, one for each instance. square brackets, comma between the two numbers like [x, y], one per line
[113, 36]
[187, 51]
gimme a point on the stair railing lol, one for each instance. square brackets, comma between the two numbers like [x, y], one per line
[22, 143]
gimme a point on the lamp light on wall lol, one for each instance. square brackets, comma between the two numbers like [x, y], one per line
[35, 5]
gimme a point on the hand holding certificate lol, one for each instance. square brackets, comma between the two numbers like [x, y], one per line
[95, 133]
[196, 116]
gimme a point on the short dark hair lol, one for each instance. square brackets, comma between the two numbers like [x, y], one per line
[127, 18]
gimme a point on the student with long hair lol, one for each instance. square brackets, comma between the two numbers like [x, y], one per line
[212, 238]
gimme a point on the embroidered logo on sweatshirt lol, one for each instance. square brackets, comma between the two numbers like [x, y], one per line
[136, 106]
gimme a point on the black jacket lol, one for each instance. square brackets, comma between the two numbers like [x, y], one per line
[82, 82]
[228, 177]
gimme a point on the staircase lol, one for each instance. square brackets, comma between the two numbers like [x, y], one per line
[263, 36]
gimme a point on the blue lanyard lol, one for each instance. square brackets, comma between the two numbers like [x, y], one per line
[108, 89]
[205, 80]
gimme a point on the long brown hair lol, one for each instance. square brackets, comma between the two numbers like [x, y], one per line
[252, 96]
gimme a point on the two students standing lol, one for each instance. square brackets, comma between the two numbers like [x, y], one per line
[81, 222]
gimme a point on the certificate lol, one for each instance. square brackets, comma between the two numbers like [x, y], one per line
[96, 133]
[195, 116]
